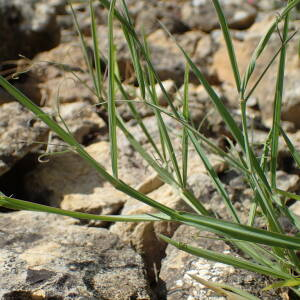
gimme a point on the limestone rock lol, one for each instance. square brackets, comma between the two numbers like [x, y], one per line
[43, 257]
[167, 13]
[264, 92]
[144, 236]
[202, 15]
[67, 181]
[33, 24]
[81, 119]
[19, 132]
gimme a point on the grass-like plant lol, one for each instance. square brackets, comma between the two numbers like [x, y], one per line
[270, 252]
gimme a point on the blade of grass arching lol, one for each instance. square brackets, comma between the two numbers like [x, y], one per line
[111, 93]
[287, 194]
[229, 45]
[292, 149]
[118, 184]
[226, 259]
[239, 231]
[278, 104]
[219, 186]
[185, 137]
[83, 46]
[284, 283]
[17, 204]
[144, 52]
[268, 66]
[136, 59]
[258, 254]
[98, 86]
[262, 44]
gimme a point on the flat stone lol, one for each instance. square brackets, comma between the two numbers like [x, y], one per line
[42, 256]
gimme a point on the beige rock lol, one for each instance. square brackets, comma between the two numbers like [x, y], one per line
[143, 236]
[81, 119]
[69, 182]
[170, 88]
[266, 89]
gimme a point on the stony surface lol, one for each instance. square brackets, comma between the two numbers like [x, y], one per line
[34, 27]
[44, 257]
[52, 258]
[68, 182]
[20, 133]
[201, 14]
[265, 91]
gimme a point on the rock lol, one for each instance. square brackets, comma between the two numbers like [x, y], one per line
[170, 88]
[67, 181]
[148, 20]
[166, 57]
[287, 182]
[43, 257]
[19, 133]
[33, 24]
[295, 208]
[89, 123]
[175, 282]
[202, 15]
[264, 92]
[144, 236]
[63, 75]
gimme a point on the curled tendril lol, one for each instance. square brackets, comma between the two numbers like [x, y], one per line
[44, 158]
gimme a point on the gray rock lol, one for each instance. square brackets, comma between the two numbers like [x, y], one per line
[202, 15]
[167, 13]
[44, 257]
[19, 132]
[27, 28]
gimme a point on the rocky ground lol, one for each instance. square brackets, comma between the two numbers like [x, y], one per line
[52, 257]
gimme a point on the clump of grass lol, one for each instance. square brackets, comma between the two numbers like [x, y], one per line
[270, 252]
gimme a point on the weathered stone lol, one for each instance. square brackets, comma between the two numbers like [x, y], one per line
[63, 76]
[44, 257]
[287, 182]
[148, 20]
[67, 181]
[202, 15]
[33, 24]
[19, 133]
[265, 91]
[144, 236]
[178, 265]
[81, 119]
[170, 88]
